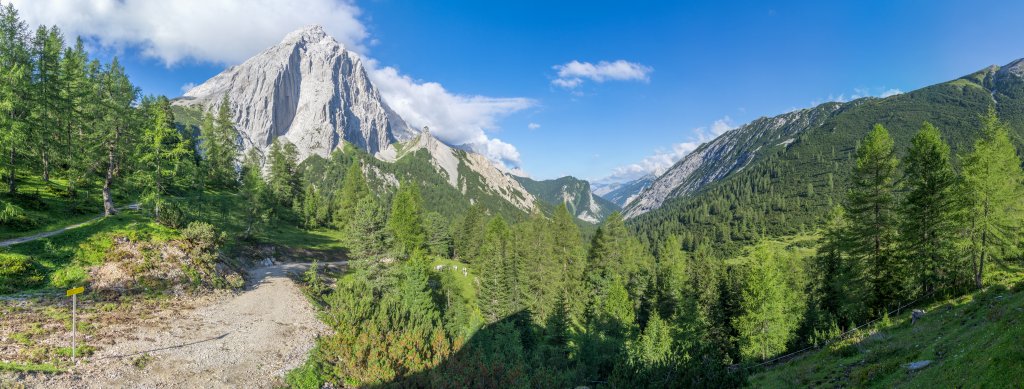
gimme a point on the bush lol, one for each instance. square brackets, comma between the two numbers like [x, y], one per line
[14, 216]
[18, 272]
[202, 237]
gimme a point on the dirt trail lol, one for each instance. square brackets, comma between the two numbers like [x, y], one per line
[47, 234]
[248, 340]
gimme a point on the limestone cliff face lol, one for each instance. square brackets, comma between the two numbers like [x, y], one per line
[308, 90]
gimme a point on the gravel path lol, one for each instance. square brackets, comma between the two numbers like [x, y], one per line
[247, 340]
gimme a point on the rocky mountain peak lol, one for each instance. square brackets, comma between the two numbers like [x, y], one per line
[314, 33]
[1015, 68]
[309, 91]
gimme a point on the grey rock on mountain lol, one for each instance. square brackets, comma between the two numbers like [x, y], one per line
[309, 90]
[622, 193]
[727, 154]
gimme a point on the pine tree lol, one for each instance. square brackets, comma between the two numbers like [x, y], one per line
[929, 211]
[992, 178]
[366, 233]
[871, 207]
[406, 219]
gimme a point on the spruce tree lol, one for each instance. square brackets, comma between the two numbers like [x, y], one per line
[871, 208]
[492, 270]
[993, 179]
[929, 211]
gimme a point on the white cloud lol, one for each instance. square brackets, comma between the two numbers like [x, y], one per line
[533, 126]
[455, 119]
[859, 93]
[218, 31]
[890, 92]
[662, 160]
[187, 87]
[722, 126]
[573, 74]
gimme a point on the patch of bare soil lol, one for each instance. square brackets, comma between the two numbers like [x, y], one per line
[247, 339]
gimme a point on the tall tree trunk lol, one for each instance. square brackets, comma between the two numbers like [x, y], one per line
[46, 167]
[108, 201]
[12, 187]
[981, 261]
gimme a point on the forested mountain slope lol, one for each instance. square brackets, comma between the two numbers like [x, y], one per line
[776, 181]
[574, 193]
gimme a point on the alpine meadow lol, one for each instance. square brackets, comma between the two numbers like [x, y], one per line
[257, 195]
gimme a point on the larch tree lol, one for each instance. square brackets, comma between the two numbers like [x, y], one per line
[928, 229]
[353, 189]
[115, 128]
[993, 179]
[15, 84]
[871, 208]
[406, 219]
[283, 176]
[219, 146]
[765, 325]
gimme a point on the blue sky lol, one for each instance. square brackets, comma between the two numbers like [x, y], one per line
[688, 68]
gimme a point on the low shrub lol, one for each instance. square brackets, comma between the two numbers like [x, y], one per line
[14, 216]
[19, 272]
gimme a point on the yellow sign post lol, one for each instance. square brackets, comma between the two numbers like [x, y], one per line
[74, 292]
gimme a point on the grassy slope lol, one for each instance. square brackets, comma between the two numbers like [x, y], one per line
[47, 208]
[972, 341]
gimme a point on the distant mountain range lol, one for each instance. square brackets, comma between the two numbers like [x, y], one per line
[621, 193]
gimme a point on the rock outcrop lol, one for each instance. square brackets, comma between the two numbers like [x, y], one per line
[309, 90]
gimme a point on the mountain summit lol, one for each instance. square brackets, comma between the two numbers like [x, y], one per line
[307, 89]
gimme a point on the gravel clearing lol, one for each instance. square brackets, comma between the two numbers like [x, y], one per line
[245, 340]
